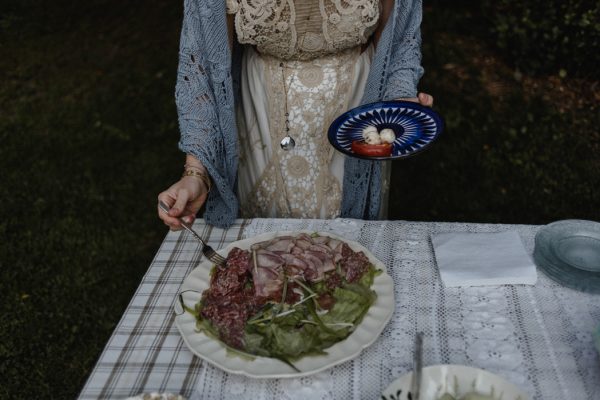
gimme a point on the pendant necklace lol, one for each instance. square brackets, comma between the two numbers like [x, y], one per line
[288, 142]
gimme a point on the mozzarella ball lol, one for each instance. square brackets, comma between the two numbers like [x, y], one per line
[387, 135]
[369, 129]
[372, 138]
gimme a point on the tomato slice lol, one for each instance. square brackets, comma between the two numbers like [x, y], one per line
[371, 150]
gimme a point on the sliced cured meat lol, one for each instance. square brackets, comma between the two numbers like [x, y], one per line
[304, 236]
[326, 259]
[354, 264]
[320, 247]
[346, 251]
[303, 243]
[333, 280]
[225, 281]
[231, 277]
[315, 264]
[239, 260]
[297, 251]
[268, 259]
[267, 273]
[333, 243]
[320, 239]
[267, 281]
[292, 260]
[282, 243]
[250, 279]
[337, 252]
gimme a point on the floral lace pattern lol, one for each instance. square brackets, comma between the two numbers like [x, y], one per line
[299, 183]
[299, 30]
[207, 77]
[537, 337]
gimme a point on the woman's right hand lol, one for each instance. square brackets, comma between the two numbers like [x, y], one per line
[184, 198]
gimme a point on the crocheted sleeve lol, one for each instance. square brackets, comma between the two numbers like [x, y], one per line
[405, 59]
[193, 95]
[202, 110]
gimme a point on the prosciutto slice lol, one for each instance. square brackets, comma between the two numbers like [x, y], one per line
[295, 266]
[333, 243]
[320, 247]
[268, 282]
[267, 273]
[303, 244]
[316, 266]
[326, 260]
[283, 243]
[305, 257]
[268, 259]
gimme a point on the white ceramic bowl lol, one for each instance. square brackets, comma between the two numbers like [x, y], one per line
[456, 380]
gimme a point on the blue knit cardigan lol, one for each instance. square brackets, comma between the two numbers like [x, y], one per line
[206, 91]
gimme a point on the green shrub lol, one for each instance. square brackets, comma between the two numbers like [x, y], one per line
[551, 36]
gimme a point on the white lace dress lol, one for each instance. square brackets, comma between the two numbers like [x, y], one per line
[306, 54]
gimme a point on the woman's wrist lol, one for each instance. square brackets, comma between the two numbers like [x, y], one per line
[204, 180]
[193, 162]
[193, 168]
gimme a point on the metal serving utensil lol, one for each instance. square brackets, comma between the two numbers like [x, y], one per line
[208, 251]
[415, 386]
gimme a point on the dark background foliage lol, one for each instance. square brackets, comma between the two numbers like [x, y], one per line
[88, 137]
[547, 36]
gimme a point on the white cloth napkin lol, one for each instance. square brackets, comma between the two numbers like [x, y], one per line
[481, 259]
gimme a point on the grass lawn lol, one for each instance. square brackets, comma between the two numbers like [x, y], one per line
[517, 149]
[89, 137]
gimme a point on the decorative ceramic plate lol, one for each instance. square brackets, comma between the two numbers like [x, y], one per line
[456, 380]
[569, 252]
[414, 125]
[157, 396]
[215, 352]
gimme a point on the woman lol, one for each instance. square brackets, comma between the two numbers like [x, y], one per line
[304, 62]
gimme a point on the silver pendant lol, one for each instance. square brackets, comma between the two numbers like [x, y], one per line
[287, 143]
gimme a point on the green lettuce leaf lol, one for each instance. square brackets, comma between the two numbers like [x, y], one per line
[369, 276]
[351, 303]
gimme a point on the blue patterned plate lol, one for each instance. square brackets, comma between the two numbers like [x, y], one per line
[415, 126]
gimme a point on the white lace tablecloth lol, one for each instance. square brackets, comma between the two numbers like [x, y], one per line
[537, 337]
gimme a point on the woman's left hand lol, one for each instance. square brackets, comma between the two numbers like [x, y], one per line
[422, 98]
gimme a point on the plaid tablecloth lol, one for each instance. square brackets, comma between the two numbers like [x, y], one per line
[538, 337]
[146, 352]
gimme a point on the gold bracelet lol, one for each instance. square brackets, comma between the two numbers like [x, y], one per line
[203, 177]
[188, 166]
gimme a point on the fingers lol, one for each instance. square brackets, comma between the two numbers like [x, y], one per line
[184, 198]
[171, 221]
[178, 200]
[183, 195]
[425, 99]
[189, 219]
[413, 99]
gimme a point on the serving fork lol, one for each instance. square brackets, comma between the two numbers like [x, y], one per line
[208, 251]
[415, 385]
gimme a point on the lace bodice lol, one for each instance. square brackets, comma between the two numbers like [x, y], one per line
[208, 76]
[304, 29]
